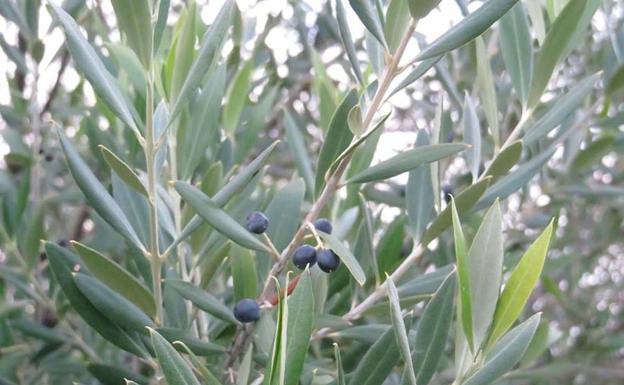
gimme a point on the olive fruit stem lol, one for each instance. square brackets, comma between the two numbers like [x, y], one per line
[319, 242]
[267, 241]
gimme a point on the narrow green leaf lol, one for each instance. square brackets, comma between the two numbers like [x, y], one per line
[372, 133]
[515, 43]
[400, 333]
[581, 27]
[62, 262]
[561, 109]
[176, 370]
[135, 21]
[485, 262]
[244, 370]
[340, 136]
[11, 11]
[378, 361]
[419, 70]
[284, 213]
[283, 319]
[421, 8]
[14, 54]
[487, 89]
[365, 11]
[520, 285]
[425, 284]
[89, 63]
[470, 27]
[505, 160]
[367, 334]
[9, 309]
[345, 256]
[115, 375]
[202, 299]
[354, 120]
[238, 182]
[399, 16]
[30, 243]
[591, 154]
[123, 170]
[436, 132]
[235, 185]
[432, 332]
[406, 161]
[195, 345]
[347, 40]
[472, 136]
[182, 53]
[198, 365]
[465, 200]
[515, 180]
[208, 55]
[130, 64]
[340, 375]
[534, 9]
[116, 277]
[367, 235]
[161, 22]
[33, 329]
[217, 218]
[275, 370]
[616, 81]
[463, 275]
[506, 353]
[390, 247]
[244, 275]
[553, 48]
[376, 53]
[204, 124]
[545, 336]
[114, 306]
[96, 194]
[236, 97]
[326, 91]
[299, 151]
[419, 199]
[300, 324]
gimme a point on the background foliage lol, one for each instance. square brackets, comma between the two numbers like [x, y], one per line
[138, 135]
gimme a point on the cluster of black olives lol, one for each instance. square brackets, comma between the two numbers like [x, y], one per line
[247, 309]
[306, 255]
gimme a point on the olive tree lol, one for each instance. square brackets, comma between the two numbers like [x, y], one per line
[200, 209]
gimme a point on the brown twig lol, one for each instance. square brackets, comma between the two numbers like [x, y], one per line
[55, 88]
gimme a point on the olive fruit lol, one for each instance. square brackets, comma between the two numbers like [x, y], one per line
[304, 255]
[257, 222]
[324, 225]
[327, 260]
[247, 310]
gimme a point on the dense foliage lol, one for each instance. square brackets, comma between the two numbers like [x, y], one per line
[318, 194]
